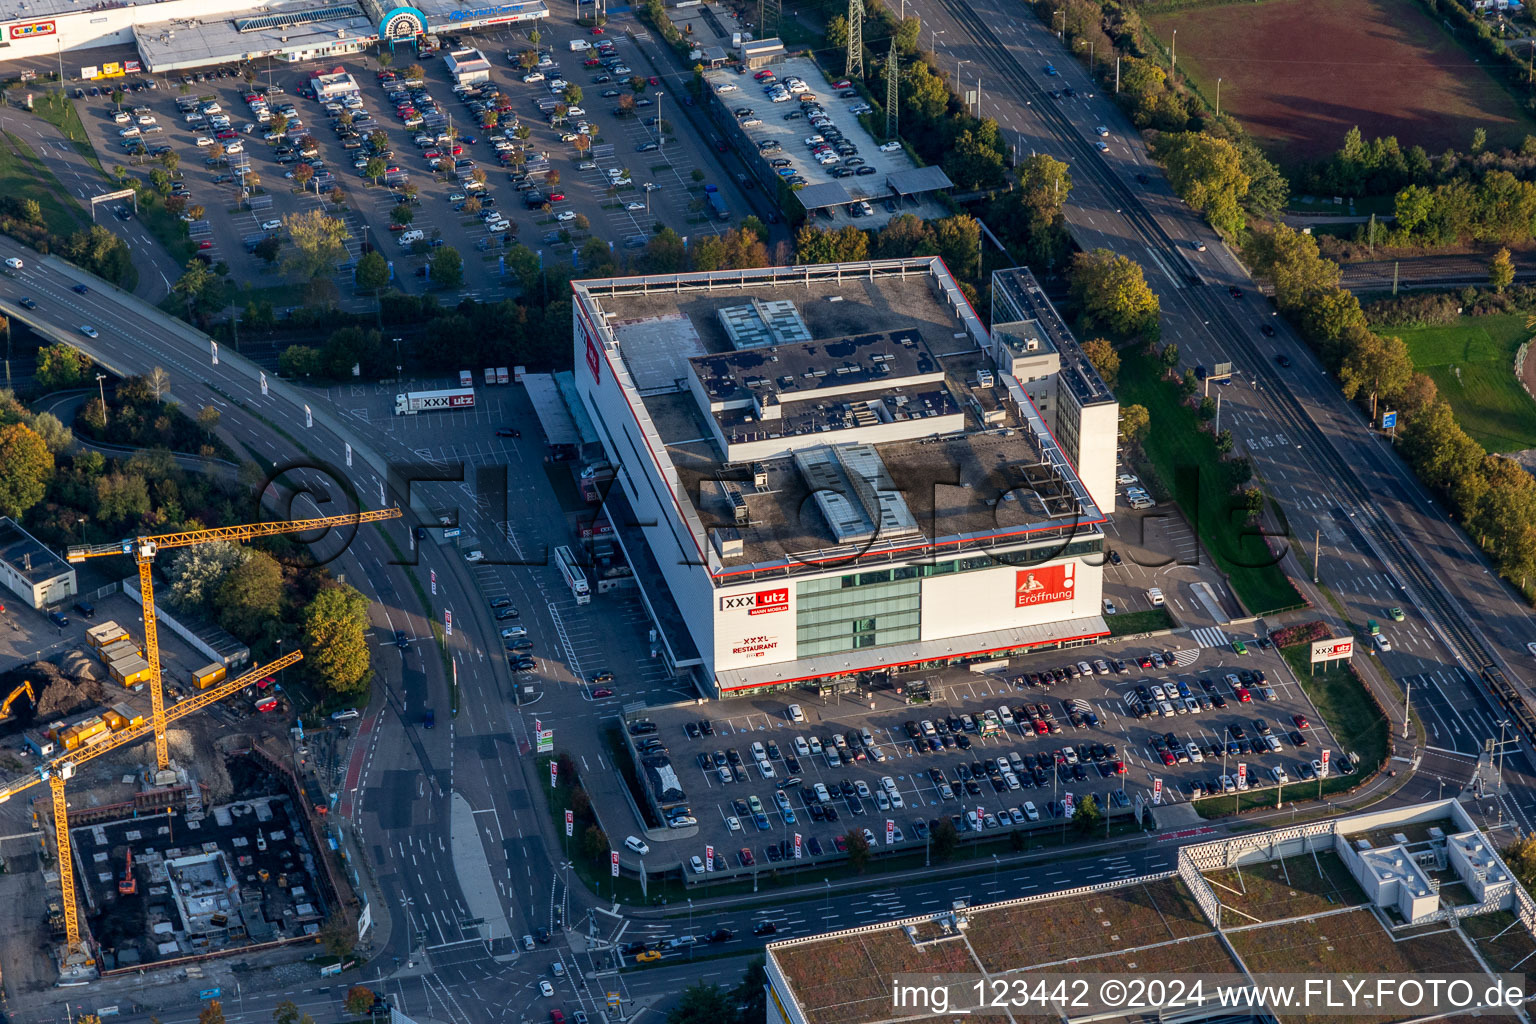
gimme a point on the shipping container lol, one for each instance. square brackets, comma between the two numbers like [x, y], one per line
[105, 635]
[129, 716]
[209, 675]
[129, 671]
[124, 648]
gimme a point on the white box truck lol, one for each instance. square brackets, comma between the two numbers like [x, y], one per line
[502, 376]
[466, 379]
[413, 402]
[490, 376]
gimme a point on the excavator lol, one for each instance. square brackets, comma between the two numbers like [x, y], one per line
[24, 688]
[127, 886]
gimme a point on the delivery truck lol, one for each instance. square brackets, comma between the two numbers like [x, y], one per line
[413, 402]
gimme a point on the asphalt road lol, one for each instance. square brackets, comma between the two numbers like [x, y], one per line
[1383, 541]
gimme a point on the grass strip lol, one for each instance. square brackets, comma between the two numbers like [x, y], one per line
[57, 110]
[1184, 458]
[23, 175]
[1130, 623]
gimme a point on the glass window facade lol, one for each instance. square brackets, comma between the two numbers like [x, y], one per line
[850, 613]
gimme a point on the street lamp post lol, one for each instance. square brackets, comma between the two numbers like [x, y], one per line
[933, 38]
[661, 132]
[1173, 54]
[1218, 97]
[101, 390]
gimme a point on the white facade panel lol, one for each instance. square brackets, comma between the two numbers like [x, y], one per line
[754, 625]
[984, 600]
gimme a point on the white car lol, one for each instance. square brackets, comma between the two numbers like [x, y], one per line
[235, 146]
[890, 147]
[733, 824]
[697, 864]
[616, 182]
[13, 263]
[204, 141]
[474, 556]
[1030, 811]
[796, 714]
[88, 330]
[722, 90]
[545, 988]
[574, 112]
[271, 225]
[533, 76]
[565, 215]
[637, 845]
[1109, 607]
[496, 227]
[801, 747]
[634, 206]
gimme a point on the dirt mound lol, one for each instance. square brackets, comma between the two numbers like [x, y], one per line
[59, 692]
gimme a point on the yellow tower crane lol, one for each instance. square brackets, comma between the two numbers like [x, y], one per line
[61, 769]
[143, 551]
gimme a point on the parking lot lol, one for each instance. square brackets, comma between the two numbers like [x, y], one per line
[1080, 735]
[580, 185]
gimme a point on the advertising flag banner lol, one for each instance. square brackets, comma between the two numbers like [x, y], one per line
[448, 621]
[434, 594]
[349, 454]
[263, 384]
[613, 863]
[546, 740]
[570, 823]
[1066, 804]
[797, 846]
[215, 349]
[1325, 763]
[309, 417]
[1157, 791]
[554, 773]
[890, 831]
[709, 858]
[1242, 775]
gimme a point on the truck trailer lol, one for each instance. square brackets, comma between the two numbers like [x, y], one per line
[413, 402]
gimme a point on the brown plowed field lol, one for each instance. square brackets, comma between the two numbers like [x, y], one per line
[1301, 73]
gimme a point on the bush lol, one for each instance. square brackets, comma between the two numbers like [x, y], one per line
[1301, 633]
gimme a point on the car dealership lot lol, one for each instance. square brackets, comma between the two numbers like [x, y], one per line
[1092, 715]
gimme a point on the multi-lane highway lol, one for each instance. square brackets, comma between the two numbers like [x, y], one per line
[1384, 542]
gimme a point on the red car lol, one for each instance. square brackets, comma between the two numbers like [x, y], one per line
[590, 62]
[840, 843]
[556, 1017]
[601, 691]
[844, 84]
[1119, 767]
[205, 244]
[431, 154]
[457, 151]
[1243, 695]
[655, 80]
[762, 74]
[598, 30]
[227, 133]
[559, 197]
[1301, 722]
[745, 856]
[1144, 661]
[1169, 759]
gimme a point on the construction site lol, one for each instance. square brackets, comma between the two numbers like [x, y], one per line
[179, 820]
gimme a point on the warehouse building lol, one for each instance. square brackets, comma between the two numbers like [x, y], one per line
[30, 571]
[829, 471]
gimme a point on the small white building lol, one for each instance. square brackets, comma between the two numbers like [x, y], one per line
[31, 571]
[333, 86]
[468, 66]
[1392, 878]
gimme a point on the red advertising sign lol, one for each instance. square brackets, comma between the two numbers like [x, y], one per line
[570, 823]
[613, 863]
[1157, 791]
[1242, 775]
[594, 357]
[448, 622]
[1046, 584]
[29, 29]
[890, 831]
[132, 67]
[764, 602]
[1325, 761]
[554, 772]
[1066, 804]
[797, 846]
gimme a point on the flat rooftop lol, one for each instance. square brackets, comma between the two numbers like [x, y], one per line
[27, 556]
[988, 474]
[1020, 308]
[188, 42]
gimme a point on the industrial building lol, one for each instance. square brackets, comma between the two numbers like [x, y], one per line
[31, 571]
[175, 34]
[1416, 890]
[827, 471]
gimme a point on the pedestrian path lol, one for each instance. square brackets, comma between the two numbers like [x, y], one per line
[1210, 636]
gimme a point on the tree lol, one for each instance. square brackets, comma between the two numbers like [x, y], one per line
[703, 1003]
[415, 73]
[375, 168]
[1086, 816]
[121, 499]
[61, 366]
[905, 235]
[448, 267]
[594, 843]
[300, 361]
[1044, 185]
[279, 123]
[1113, 294]
[402, 214]
[528, 59]
[1104, 359]
[1501, 270]
[958, 240]
[286, 1012]
[194, 282]
[359, 1000]
[319, 242]
[117, 98]
[213, 1013]
[195, 573]
[1224, 442]
[208, 419]
[250, 595]
[378, 139]
[572, 94]
[858, 849]
[372, 271]
[303, 175]
[1374, 365]
[268, 249]
[170, 160]
[54, 433]
[944, 839]
[1135, 423]
[1207, 173]
[26, 467]
[750, 997]
[1442, 454]
[335, 644]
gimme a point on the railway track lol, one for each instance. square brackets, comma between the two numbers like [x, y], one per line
[1475, 655]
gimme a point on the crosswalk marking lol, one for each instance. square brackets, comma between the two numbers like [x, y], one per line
[1210, 636]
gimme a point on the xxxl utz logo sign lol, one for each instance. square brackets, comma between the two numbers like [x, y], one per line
[1045, 585]
[761, 603]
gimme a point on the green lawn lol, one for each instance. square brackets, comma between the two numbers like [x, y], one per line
[1128, 623]
[1184, 459]
[59, 111]
[23, 174]
[1472, 362]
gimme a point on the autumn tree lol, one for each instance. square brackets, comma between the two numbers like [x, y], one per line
[1113, 294]
[1207, 173]
[1501, 270]
[1104, 359]
[319, 242]
[359, 1000]
[26, 467]
[335, 642]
